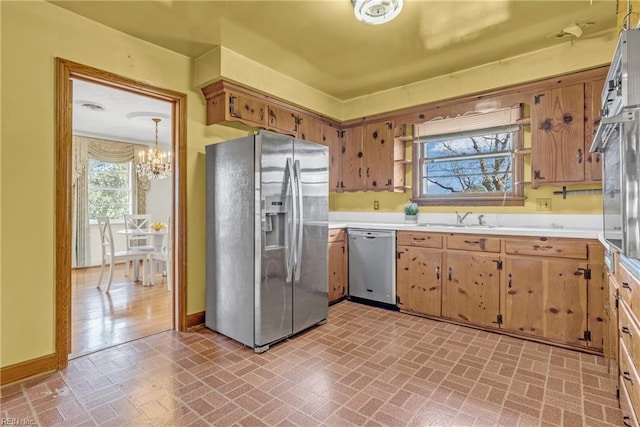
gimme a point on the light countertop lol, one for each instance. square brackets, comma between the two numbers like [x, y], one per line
[568, 226]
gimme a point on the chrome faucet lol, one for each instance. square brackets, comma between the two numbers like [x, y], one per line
[480, 219]
[460, 219]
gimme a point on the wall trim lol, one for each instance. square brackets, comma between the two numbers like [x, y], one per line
[28, 368]
[65, 70]
[194, 319]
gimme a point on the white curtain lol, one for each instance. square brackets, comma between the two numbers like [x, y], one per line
[104, 151]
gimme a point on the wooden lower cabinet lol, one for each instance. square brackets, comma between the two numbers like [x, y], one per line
[549, 288]
[338, 272]
[546, 298]
[419, 280]
[624, 315]
[472, 288]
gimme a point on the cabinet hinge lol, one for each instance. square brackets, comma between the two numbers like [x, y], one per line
[586, 336]
[618, 393]
[389, 125]
[499, 319]
[499, 265]
[536, 98]
[616, 302]
[297, 119]
[586, 272]
[340, 133]
[398, 255]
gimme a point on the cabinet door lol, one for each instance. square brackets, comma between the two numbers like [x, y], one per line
[546, 298]
[418, 280]
[378, 149]
[524, 299]
[558, 136]
[593, 104]
[282, 120]
[337, 271]
[472, 288]
[310, 129]
[353, 162]
[246, 109]
[332, 137]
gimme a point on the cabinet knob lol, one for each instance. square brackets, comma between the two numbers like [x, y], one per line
[627, 286]
[359, 153]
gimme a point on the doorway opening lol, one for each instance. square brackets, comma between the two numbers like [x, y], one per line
[87, 317]
[113, 130]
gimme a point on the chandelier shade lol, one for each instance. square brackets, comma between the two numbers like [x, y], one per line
[155, 163]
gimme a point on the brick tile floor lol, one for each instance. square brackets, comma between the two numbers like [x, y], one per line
[365, 367]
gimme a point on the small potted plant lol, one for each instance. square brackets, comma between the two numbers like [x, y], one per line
[411, 213]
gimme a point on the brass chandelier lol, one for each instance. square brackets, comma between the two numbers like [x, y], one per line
[155, 163]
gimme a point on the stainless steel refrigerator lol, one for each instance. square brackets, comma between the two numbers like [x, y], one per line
[266, 237]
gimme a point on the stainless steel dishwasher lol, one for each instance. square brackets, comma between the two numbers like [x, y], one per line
[372, 266]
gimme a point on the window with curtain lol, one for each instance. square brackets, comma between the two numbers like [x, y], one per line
[469, 160]
[110, 189]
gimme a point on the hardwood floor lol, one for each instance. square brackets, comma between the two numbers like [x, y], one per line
[129, 311]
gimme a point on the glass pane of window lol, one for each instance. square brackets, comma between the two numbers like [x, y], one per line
[479, 163]
[109, 189]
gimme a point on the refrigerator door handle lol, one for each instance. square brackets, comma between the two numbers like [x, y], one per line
[300, 219]
[290, 261]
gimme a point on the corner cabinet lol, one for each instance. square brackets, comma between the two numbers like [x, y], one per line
[554, 290]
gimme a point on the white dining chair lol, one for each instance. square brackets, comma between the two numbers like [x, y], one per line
[136, 228]
[110, 255]
[164, 256]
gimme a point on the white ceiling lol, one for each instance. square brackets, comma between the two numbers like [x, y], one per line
[125, 116]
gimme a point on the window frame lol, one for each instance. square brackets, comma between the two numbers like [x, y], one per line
[513, 198]
[130, 190]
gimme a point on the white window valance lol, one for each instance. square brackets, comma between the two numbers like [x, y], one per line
[469, 122]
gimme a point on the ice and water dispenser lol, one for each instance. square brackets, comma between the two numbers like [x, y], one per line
[274, 223]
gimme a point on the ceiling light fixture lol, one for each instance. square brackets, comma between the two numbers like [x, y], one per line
[376, 12]
[155, 164]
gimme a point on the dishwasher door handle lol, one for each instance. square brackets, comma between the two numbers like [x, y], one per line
[369, 237]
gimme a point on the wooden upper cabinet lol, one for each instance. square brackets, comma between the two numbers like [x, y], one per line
[332, 137]
[310, 129]
[282, 120]
[558, 149]
[353, 160]
[593, 103]
[378, 159]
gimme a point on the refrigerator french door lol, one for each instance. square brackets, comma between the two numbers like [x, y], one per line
[266, 260]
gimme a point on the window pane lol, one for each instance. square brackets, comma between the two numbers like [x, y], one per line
[495, 143]
[109, 175]
[479, 163]
[109, 189]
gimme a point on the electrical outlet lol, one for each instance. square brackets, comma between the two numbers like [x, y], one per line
[376, 205]
[543, 204]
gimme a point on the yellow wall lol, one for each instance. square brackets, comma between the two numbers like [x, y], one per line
[33, 34]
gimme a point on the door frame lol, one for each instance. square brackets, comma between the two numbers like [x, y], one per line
[65, 70]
